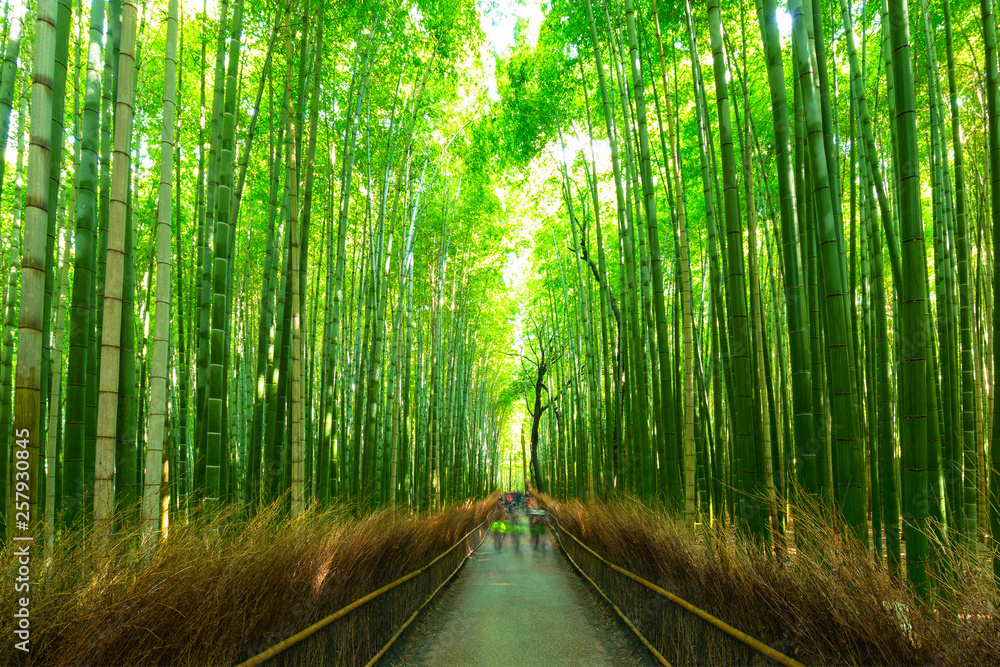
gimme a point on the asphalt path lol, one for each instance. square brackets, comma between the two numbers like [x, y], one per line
[518, 606]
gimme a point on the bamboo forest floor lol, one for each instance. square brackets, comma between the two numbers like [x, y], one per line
[522, 608]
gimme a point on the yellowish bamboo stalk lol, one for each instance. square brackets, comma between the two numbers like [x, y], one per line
[151, 500]
[107, 392]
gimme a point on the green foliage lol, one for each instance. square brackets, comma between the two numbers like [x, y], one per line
[535, 90]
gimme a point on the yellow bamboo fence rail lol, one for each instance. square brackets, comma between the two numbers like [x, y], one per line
[295, 639]
[645, 642]
[752, 643]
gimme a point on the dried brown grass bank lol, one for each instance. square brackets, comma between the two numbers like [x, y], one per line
[221, 589]
[829, 604]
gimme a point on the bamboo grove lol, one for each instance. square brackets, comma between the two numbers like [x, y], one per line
[763, 278]
[261, 251]
[249, 257]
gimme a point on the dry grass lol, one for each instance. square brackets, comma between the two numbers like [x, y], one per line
[221, 589]
[830, 604]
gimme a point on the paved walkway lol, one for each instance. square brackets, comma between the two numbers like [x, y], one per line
[517, 607]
